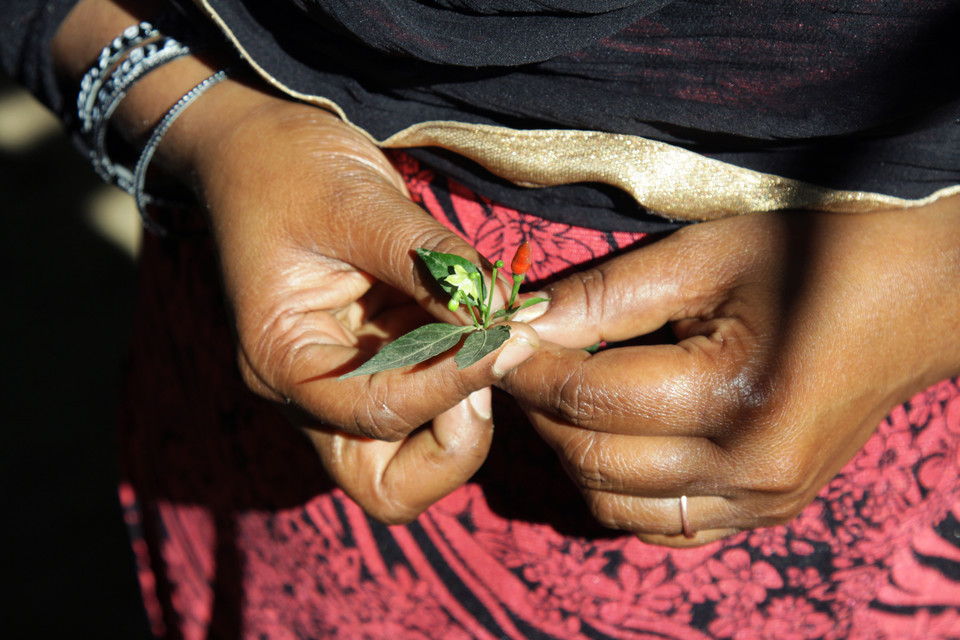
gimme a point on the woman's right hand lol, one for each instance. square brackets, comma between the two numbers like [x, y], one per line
[315, 234]
[316, 237]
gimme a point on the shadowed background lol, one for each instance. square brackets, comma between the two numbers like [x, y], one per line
[68, 246]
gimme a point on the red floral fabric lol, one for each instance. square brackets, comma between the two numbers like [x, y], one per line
[239, 535]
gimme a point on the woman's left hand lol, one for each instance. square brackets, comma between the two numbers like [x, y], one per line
[797, 333]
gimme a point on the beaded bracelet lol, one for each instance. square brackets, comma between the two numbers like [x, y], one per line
[140, 171]
[139, 61]
[109, 56]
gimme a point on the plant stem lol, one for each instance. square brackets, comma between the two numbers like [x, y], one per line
[517, 281]
[473, 317]
[489, 306]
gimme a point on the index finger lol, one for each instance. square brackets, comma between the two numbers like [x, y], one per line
[686, 389]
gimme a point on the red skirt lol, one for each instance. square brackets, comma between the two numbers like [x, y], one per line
[239, 534]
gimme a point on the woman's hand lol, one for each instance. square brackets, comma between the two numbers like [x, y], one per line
[797, 333]
[316, 236]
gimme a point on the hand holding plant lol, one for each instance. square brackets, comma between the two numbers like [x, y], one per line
[465, 285]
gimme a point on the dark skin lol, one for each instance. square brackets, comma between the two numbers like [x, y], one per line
[316, 236]
[796, 331]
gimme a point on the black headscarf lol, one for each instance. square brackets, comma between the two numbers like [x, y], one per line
[847, 94]
[474, 33]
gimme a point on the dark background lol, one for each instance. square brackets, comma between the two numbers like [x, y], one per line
[67, 289]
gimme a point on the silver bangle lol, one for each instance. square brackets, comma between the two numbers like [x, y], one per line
[146, 155]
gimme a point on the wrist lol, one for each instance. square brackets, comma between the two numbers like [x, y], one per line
[194, 142]
[916, 275]
[941, 222]
[140, 102]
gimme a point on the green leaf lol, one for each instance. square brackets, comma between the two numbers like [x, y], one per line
[441, 265]
[531, 302]
[503, 313]
[420, 344]
[480, 343]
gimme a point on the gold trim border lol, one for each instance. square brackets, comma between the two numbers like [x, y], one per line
[665, 179]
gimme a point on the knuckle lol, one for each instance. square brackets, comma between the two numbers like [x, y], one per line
[741, 398]
[251, 379]
[268, 335]
[379, 426]
[374, 417]
[458, 386]
[269, 346]
[786, 473]
[751, 391]
[605, 508]
[585, 459]
[383, 500]
[593, 292]
[390, 512]
[577, 400]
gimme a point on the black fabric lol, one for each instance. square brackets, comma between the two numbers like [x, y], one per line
[26, 29]
[604, 207]
[476, 32]
[848, 94]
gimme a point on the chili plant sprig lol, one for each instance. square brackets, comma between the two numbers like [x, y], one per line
[463, 282]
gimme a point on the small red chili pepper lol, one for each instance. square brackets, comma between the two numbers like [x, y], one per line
[521, 259]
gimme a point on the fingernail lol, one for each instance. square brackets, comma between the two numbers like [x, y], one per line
[533, 312]
[480, 402]
[516, 351]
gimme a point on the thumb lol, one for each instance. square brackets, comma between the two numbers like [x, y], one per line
[389, 405]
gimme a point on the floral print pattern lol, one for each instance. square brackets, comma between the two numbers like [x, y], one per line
[238, 533]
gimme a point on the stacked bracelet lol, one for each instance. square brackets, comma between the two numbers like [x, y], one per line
[140, 61]
[134, 53]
